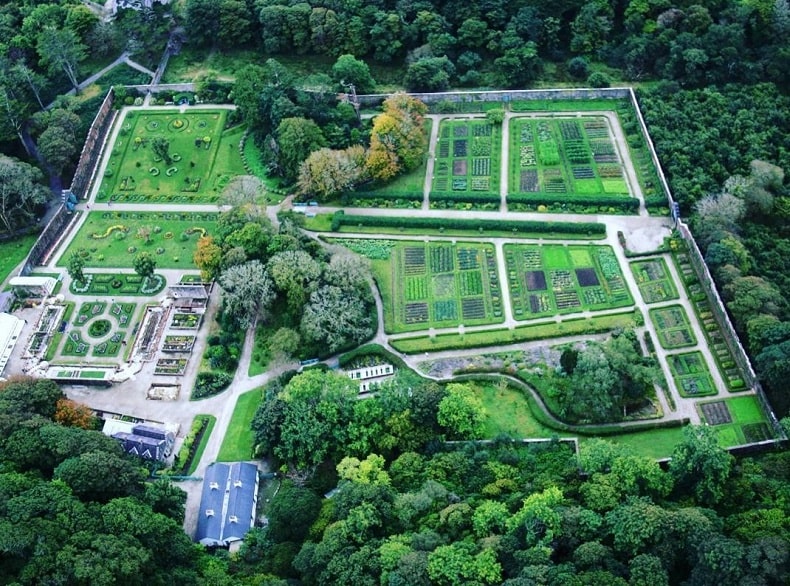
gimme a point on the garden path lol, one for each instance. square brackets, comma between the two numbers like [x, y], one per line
[429, 167]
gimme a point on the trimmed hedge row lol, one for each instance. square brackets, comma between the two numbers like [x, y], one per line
[191, 443]
[352, 195]
[626, 204]
[466, 197]
[543, 331]
[340, 218]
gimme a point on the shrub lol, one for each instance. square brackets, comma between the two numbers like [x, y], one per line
[598, 79]
[210, 383]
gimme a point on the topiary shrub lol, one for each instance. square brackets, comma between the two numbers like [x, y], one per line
[210, 383]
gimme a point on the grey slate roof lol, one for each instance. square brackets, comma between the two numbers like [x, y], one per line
[228, 502]
[146, 441]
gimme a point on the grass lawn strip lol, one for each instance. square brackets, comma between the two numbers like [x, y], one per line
[203, 443]
[547, 280]
[203, 157]
[113, 239]
[239, 439]
[525, 333]
[14, 252]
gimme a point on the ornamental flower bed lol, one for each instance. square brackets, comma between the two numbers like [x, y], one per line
[185, 321]
[178, 343]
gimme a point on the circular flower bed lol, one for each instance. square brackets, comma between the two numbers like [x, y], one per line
[171, 171]
[168, 235]
[99, 328]
[152, 125]
[160, 250]
[131, 249]
[178, 125]
[116, 284]
[154, 171]
[201, 124]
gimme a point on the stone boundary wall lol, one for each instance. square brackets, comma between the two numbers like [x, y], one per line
[717, 305]
[507, 95]
[93, 147]
[55, 228]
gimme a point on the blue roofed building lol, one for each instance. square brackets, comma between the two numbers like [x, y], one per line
[228, 503]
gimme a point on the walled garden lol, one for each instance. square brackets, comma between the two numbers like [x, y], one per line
[739, 420]
[200, 159]
[112, 239]
[546, 280]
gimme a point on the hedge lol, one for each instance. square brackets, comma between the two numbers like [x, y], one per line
[340, 218]
[200, 425]
[352, 195]
[593, 325]
[210, 383]
[626, 204]
[466, 197]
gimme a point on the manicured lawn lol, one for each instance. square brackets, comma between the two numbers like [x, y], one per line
[507, 411]
[239, 439]
[547, 280]
[438, 284]
[655, 443]
[654, 280]
[204, 157]
[13, 253]
[203, 443]
[541, 331]
[737, 421]
[112, 239]
[746, 409]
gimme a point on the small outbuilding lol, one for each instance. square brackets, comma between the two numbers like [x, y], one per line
[33, 286]
[10, 329]
[188, 296]
[227, 504]
[146, 441]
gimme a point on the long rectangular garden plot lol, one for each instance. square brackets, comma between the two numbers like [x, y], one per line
[555, 279]
[654, 280]
[439, 284]
[691, 375]
[466, 169]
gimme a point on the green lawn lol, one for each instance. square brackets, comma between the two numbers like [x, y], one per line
[655, 443]
[203, 443]
[239, 440]
[550, 105]
[746, 409]
[112, 239]
[203, 157]
[14, 252]
[508, 412]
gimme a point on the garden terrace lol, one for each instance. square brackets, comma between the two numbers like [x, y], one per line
[547, 280]
[202, 157]
[113, 239]
[673, 328]
[691, 374]
[561, 164]
[150, 332]
[438, 284]
[738, 421]
[99, 329]
[654, 281]
[467, 164]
